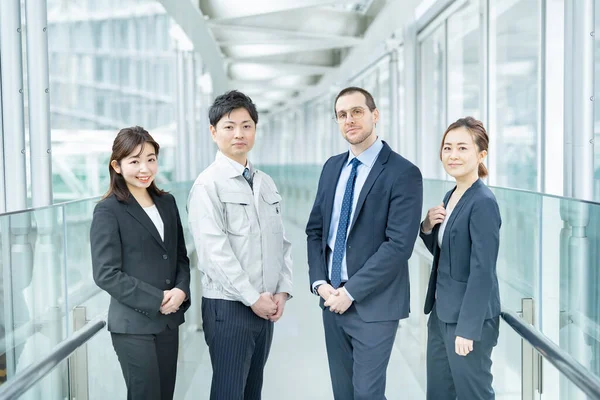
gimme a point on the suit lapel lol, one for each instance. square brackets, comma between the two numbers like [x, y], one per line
[377, 169]
[330, 186]
[459, 206]
[137, 212]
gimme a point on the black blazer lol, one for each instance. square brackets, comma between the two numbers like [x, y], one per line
[464, 268]
[381, 235]
[133, 264]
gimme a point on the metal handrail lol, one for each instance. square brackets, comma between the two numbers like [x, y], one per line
[564, 362]
[26, 379]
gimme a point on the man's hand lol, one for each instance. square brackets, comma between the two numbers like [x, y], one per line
[280, 300]
[172, 299]
[338, 303]
[325, 290]
[463, 346]
[264, 307]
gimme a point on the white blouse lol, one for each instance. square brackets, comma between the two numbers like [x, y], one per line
[154, 215]
[443, 226]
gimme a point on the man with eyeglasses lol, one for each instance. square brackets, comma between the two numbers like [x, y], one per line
[360, 233]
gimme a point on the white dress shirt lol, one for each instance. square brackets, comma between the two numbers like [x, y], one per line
[367, 158]
[154, 215]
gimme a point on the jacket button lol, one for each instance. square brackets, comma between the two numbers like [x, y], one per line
[165, 257]
[168, 281]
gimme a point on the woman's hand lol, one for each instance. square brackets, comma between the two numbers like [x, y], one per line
[172, 299]
[435, 215]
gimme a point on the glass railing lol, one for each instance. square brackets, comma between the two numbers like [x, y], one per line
[46, 273]
[549, 252]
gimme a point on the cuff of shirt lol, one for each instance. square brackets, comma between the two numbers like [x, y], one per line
[315, 284]
[349, 295]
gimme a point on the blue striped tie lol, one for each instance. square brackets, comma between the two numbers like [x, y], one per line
[340, 238]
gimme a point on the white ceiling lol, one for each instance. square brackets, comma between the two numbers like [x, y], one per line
[275, 50]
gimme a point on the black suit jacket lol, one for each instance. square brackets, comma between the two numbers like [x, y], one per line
[380, 238]
[464, 268]
[133, 264]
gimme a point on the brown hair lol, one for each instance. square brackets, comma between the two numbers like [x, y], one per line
[478, 133]
[127, 140]
[353, 89]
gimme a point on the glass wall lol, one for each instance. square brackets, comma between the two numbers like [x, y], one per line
[514, 88]
[464, 68]
[432, 102]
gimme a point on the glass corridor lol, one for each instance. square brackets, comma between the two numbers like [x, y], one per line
[548, 253]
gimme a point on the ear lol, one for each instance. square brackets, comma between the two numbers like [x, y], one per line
[375, 116]
[115, 165]
[213, 133]
[482, 155]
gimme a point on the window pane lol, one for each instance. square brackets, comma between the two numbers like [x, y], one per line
[432, 121]
[514, 92]
[464, 71]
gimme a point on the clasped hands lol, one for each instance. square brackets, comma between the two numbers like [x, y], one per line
[336, 299]
[270, 306]
[172, 300]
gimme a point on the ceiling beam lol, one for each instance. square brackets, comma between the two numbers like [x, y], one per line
[191, 20]
[280, 49]
[299, 45]
[263, 7]
[268, 84]
[352, 40]
[293, 69]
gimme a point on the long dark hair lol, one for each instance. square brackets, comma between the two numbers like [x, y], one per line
[479, 134]
[127, 140]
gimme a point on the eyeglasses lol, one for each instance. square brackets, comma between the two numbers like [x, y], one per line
[355, 113]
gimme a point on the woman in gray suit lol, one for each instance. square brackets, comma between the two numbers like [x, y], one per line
[139, 257]
[462, 233]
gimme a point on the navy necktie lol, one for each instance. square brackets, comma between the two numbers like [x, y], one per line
[342, 230]
[248, 176]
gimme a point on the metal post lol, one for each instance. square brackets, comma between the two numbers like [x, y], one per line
[394, 109]
[409, 139]
[180, 101]
[583, 99]
[527, 354]
[78, 362]
[2, 181]
[12, 103]
[39, 102]
[191, 138]
[568, 104]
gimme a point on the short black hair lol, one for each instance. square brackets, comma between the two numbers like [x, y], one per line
[226, 103]
[353, 89]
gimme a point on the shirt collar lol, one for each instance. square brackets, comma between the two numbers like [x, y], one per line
[239, 168]
[368, 156]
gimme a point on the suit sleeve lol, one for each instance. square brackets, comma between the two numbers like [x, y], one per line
[317, 270]
[428, 240]
[484, 229]
[182, 279]
[107, 266]
[404, 213]
[206, 221]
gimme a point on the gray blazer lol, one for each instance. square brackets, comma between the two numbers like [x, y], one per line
[132, 263]
[463, 282]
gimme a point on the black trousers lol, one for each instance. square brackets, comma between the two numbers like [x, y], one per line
[149, 363]
[450, 376]
[239, 342]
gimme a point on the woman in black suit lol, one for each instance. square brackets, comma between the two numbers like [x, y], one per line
[139, 257]
[463, 235]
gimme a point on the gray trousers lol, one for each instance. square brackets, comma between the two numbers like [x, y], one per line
[239, 342]
[358, 354]
[450, 376]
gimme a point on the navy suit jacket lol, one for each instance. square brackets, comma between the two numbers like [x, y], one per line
[132, 263]
[380, 238]
[464, 268]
